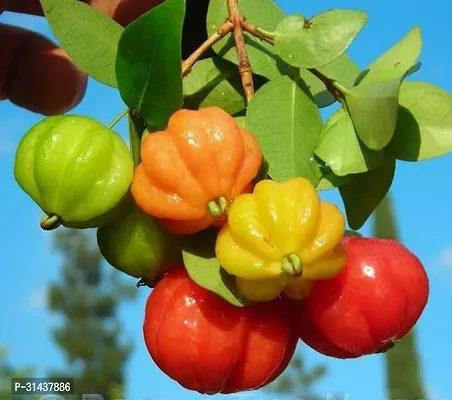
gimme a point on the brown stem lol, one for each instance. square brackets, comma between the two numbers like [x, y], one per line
[252, 29]
[222, 31]
[244, 63]
[329, 83]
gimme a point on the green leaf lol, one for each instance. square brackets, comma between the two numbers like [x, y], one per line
[318, 41]
[342, 70]
[373, 103]
[204, 269]
[241, 121]
[263, 170]
[332, 181]
[365, 192]
[263, 13]
[374, 109]
[88, 36]
[341, 149]
[424, 125]
[149, 63]
[396, 61]
[214, 82]
[287, 122]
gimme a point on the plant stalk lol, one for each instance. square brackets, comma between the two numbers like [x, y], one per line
[330, 84]
[256, 32]
[268, 37]
[118, 118]
[244, 63]
[222, 31]
[136, 129]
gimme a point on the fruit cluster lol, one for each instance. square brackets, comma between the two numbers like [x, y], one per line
[300, 276]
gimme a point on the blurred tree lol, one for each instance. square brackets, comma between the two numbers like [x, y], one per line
[7, 372]
[87, 296]
[403, 366]
[297, 381]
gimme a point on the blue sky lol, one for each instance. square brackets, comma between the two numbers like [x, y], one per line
[421, 192]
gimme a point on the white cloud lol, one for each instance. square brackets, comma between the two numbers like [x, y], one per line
[445, 258]
[434, 394]
[37, 300]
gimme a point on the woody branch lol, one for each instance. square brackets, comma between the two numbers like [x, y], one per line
[243, 61]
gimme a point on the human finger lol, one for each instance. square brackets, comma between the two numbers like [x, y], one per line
[122, 11]
[36, 74]
[32, 7]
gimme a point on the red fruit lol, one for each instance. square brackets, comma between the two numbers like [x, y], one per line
[211, 346]
[375, 300]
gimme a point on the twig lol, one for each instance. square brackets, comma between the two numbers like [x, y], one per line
[329, 83]
[244, 63]
[222, 31]
[342, 89]
[254, 30]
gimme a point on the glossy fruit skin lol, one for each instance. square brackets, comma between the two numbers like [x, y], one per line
[200, 157]
[375, 300]
[274, 222]
[74, 167]
[136, 244]
[211, 346]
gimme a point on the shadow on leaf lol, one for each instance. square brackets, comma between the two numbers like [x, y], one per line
[406, 142]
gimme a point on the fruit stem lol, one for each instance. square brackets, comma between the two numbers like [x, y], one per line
[50, 222]
[118, 118]
[214, 209]
[223, 203]
[387, 346]
[151, 283]
[292, 264]
[218, 207]
[137, 127]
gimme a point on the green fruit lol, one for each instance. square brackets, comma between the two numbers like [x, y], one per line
[76, 169]
[137, 245]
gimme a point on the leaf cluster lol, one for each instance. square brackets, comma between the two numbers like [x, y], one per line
[300, 67]
[8, 372]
